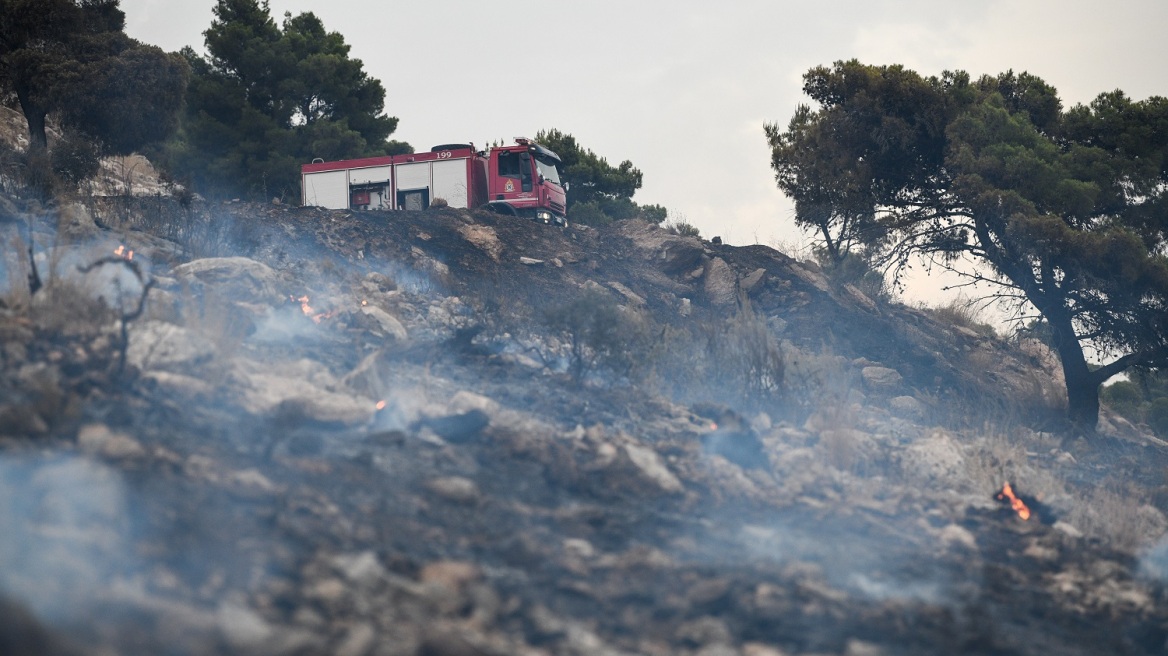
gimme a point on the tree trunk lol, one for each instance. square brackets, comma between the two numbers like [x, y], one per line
[1082, 383]
[35, 115]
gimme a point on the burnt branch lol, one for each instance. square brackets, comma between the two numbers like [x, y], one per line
[126, 317]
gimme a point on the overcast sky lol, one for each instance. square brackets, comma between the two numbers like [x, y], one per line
[682, 88]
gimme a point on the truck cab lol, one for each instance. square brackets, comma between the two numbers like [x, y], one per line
[525, 180]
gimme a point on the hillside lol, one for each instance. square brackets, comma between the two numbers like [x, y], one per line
[453, 432]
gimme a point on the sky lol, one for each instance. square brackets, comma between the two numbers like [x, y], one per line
[683, 88]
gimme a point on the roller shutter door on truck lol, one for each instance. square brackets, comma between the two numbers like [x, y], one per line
[327, 189]
[450, 177]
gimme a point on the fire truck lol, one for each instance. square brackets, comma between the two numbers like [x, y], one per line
[521, 180]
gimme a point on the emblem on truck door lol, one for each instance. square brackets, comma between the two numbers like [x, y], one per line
[510, 186]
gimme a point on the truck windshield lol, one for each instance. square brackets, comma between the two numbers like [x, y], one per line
[547, 168]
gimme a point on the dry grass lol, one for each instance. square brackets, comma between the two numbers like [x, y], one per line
[965, 313]
[1124, 519]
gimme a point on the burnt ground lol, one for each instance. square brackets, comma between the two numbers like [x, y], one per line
[233, 488]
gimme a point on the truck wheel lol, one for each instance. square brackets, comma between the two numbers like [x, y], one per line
[502, 208]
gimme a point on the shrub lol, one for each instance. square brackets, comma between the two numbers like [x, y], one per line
[683, 228]
[1158, 416]
[599, 333]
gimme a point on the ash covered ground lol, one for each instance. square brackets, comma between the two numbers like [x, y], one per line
[293, 431]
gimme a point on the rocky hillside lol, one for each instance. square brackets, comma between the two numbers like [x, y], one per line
[293, 431]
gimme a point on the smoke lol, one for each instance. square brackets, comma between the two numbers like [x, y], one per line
[66, 533]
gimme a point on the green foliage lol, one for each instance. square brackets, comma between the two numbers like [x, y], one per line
[268, 98]
[1158, 416]
[1068, 210]
[600, 334]
[71, 59]
[683, 228]
[600, 193]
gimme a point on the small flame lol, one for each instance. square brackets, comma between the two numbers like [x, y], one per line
[317, 317]
[381, 405]
[123, 252]
[1015, 503]
[713, 426]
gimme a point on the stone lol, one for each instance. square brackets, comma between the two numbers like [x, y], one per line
[630, 296]
[295, 391]
[752, 279]
[454, 574]
[165, 346]
[386, 322]
[75, 222]
[237, 277]
[721, 285]
[954, 535]
[935, 458]
[881, 379]
[358, 641]
[455, 489]
[530, 261]
[907, 407]
[99, 439]
[650, 464]
[483, 237]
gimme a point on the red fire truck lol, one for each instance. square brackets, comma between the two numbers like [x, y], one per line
[522, 180]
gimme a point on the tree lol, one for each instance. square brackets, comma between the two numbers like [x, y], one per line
[600, 193]
[1065, 210]
[268, 98]
[72, 59]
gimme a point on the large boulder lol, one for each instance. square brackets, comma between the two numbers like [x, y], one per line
[239, 278]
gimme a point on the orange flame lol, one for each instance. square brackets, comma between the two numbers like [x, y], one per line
[317, 317]
[123, 252]
[380, 405]
[1015, 503]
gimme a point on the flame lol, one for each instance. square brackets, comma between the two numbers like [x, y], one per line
[381, 405]
[1015, 503]
[713, 426]
[317, 317]
[123, 252]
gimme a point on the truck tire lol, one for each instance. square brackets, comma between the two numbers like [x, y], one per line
[502, 208]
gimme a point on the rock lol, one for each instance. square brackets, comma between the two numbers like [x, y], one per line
[236, 277]
[75, 222]
[456, 429]
[954, 535]
[1067, 529]
[881, 379]
[165, 346]
[483, 237]
[99, 439]
[650, 464]
[706, 630]
[530, 261]
[386, 322]
[907, 407]
[759, 649]
[455, 489]
[297, 391]
[464, 401]
[631, 296]
[721, 284]
[752, 279]
[358, 640]
[935, 458]
[453, 574]
[21, 420]
[243, 628]
[686, 307]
